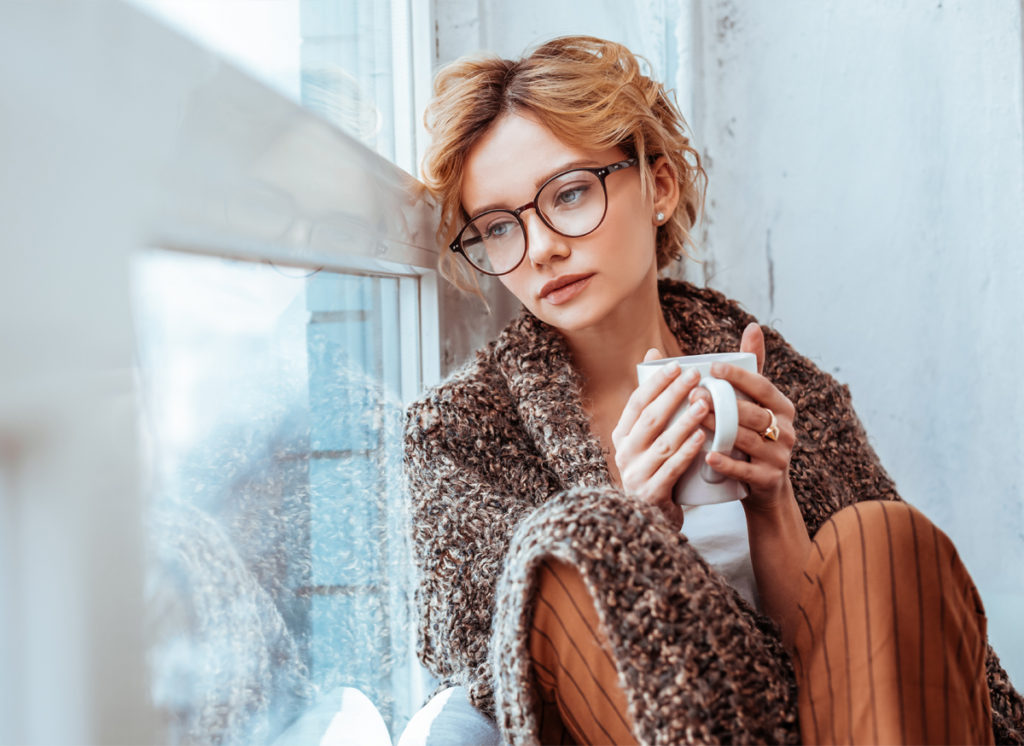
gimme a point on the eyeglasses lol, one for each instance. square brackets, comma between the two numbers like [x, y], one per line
[572, 204]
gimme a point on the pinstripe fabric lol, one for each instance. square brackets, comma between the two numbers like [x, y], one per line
[573, 664]
[890, 648]
[892, 645]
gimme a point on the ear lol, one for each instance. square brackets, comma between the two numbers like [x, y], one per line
[666, 189]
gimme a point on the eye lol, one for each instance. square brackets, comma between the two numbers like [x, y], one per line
[500, 228]
[571, 195]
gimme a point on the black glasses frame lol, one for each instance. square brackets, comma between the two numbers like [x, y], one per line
[601, 172]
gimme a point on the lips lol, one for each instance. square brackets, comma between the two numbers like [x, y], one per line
[564, 288]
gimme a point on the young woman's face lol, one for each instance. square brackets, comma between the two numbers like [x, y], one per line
[570, 283]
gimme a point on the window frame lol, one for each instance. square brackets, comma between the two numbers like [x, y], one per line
[131, 136]
[218, 192]
[385, 227]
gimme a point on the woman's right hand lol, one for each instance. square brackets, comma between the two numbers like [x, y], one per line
[650, 454]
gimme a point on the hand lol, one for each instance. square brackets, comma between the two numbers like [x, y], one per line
[650, 454]
[767, 472]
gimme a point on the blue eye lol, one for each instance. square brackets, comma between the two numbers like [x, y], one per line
[571, 196]
[500, 229]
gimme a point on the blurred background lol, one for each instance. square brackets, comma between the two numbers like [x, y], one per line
[218, 295]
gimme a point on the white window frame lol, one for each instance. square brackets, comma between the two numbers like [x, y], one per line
[126, 136]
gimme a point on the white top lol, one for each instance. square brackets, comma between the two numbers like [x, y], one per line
[719, 533]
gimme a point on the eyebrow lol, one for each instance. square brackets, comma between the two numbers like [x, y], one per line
[580, 163]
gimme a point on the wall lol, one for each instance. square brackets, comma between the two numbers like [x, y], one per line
[867, 182]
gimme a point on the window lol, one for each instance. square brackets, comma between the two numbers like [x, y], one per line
[283, 322]
[266, 248]
[280, 570]
[350, 61]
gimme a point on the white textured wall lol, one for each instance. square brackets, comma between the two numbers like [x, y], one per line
[867, 199]
[867, 172]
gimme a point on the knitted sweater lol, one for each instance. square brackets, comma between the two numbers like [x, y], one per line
[503, 471]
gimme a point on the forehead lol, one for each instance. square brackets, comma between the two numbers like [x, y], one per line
[514, 157]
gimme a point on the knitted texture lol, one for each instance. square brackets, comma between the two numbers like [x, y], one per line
[676, 628]
[508, 432]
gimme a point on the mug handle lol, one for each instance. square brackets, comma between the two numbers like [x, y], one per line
[727, 422]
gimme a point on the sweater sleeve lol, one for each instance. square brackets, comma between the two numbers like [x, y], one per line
[464, 508]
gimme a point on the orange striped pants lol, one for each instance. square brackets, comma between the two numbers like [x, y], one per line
[891, 648]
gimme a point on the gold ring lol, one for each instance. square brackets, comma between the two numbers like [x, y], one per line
[772, 431]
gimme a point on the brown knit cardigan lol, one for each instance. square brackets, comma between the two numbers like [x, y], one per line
[503, 471]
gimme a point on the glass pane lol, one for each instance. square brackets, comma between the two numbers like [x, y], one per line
[279, 566]
[336, 57]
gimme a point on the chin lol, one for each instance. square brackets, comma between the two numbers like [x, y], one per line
[572, 317]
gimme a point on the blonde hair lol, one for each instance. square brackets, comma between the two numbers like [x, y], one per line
[587, 91]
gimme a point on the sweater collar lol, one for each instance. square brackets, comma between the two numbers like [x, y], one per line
[535, 362]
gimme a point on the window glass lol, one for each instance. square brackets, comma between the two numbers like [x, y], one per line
[279, 570]
[347, 60]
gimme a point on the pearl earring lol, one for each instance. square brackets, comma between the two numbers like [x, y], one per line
[661, 216]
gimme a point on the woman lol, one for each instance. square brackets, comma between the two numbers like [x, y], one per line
[555, 582]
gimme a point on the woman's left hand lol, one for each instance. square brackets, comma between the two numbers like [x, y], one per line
[767, 472]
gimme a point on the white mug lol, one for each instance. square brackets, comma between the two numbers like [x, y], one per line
[700, 484]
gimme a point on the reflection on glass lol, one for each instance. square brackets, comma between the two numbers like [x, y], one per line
[279, 566]
[335, 57]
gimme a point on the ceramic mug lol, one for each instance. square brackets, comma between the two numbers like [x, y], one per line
[700, 484]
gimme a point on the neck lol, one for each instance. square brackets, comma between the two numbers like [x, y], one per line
[606, 355]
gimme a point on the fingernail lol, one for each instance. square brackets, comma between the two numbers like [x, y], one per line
[671, 369]
[692, 374]
[700, 407]
[717, 369]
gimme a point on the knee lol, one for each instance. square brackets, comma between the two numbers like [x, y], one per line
[884, 522]
[888, 534]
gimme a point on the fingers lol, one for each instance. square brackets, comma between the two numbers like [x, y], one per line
[668, 472]
[754, 420]
[752, 414]
[653, 439]
[642, 396]
[684, 431]
[653, 354]
[758, 419]
[651, 472]
[652, 404]
[757, 387]
[758, 475]
[753, 341]
[768, 467]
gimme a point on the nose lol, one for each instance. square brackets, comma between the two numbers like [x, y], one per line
[543, 245]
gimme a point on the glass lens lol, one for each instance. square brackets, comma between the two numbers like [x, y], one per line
[494, 241]
[573, 203]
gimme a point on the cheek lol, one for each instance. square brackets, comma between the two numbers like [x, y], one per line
[634, 241]
[516, 283]
[633, 217]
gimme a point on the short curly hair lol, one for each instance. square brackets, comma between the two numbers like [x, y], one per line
[587, 91]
